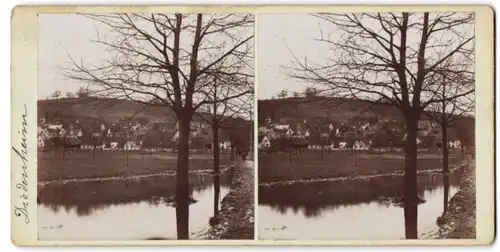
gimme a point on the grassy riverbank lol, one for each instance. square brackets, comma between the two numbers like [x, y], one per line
[309, 165]
[459, 221]
[236, 217]
[81, 165]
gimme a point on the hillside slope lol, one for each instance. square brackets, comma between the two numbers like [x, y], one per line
[321, 111]
[333, 109]
[107, 109]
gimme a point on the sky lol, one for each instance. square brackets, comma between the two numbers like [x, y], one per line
[62, 36]
[283, 36]
[278, 36]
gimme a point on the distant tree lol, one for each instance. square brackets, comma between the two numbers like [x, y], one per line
[56, 94]
[466, 131]
[230, 96]
[449, 83]
[83, 92]
[296, 94]
[283, 94]
[69, 95]
[310, 92]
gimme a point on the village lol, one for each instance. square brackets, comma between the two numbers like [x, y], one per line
[123, 135]
[357, 134]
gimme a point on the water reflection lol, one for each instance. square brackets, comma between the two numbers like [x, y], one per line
[126, 209]
[216, 195]
[351, 209]
[446, 194]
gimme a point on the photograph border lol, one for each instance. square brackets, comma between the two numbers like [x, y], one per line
[24, 30]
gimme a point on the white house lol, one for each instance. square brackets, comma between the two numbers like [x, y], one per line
[264, 142]
[40, 141]
[360, 145]
[363, 127]
[62, 132]
[39, 130]
[419, 138]
[113, 145]
[225, 145]
[454, 144]
[330, 127]
[271, 134]
[342, 145]
[130, 145]
[55, 126]
[281, 126]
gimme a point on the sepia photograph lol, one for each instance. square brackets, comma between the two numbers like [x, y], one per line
[145, 126]
[366, 126]
[203, 125]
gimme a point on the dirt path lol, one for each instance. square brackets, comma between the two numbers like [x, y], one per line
[236, 217]
[459, 222]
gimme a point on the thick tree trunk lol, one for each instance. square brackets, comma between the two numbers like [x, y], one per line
[182, 189]
[444, 130]
[410, 178]
[216, 148]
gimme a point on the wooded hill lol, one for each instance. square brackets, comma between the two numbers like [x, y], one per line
[324, 110]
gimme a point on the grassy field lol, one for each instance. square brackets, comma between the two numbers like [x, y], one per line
[308, 165]
[51, 166]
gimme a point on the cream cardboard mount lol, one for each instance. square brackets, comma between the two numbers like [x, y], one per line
[26, 220]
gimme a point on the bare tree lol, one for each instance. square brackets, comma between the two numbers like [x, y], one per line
[296, 94]
[83, 92]
[157, 60]
[283, 94]
[311, 92]
[388, 57]
[69, 95]
[56, 95]
[230, 96]
[451, 81]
